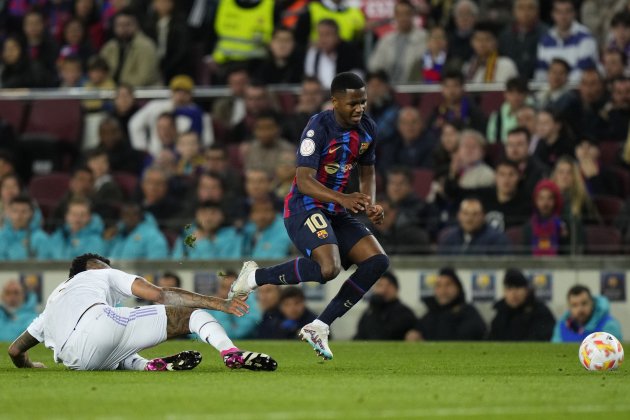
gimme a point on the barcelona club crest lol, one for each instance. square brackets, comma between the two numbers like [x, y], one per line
[363, 148]
[322, 234]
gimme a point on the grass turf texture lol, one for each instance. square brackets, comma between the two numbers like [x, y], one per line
[365, 380]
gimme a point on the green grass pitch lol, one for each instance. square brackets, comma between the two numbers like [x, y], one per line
[364, 381]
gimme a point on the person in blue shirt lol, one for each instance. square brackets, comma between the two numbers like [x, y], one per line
[17, 311]
[81, 233]
[294, 314]
[213, 240]
[587, 314]
[136, 236]
[18, 239]
[265, 235]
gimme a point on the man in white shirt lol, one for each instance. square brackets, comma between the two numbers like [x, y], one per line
[87, 331]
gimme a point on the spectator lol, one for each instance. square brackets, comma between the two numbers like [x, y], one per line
[258, 188]
[217, 162]
[506, 205]
[577, 202]
[263, 151]
[583, 112]
[136, 236]
[331, 55]
[86, 12]
[172, 39]
[18, 239]
[555, 140]
[465, 15]
[257, 99]
[230, 111]
[169, 279]
[486, 65]
[497, 11]
[616, 112]
[598, 179]
[387, 318]
[586, 315]
[188, 117]
[411, 145]
[122, 157]
[8, 162]
[619, 36]
[448, 316]
[615, 63]
[285, 63]
[98, 79]
[70, 73]
[237, 327]
[80, 234]
[213, 239]
[155, 197]
[456, 107]
[434, 58]
[310, 102]
[381, 104]
[556, 95]
[265, 234]
[444, 152]
[166, 133]
[75, 43]
[17, 70]
[598, 14]
[517, 150]
[547, 233]
[468, 168]
[519, 41]
[268, 298]
[472, 235]
[520, 316]
[294, 312]
[105, 187]
[42, 49]
[527, 117]
[350, 20]
[210, 186]
[503, 120]
[123, 107]
[81, 186]
[131, 55]
[190, 160]
[17, 311]
[284, 174]
[400, 51]
[567, 39]
[402, 230]
[10, 187]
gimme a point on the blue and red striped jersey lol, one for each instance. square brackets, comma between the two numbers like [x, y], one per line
[333, 151]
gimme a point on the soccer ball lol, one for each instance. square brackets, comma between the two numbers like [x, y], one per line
[601, 351]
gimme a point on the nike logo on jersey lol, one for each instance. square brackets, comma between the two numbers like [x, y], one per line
[334, 149]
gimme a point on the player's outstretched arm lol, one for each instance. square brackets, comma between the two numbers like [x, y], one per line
[18, 351]
[308, 185]
[180, 297]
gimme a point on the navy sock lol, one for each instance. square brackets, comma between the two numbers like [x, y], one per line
[290, 272]
[353, 289]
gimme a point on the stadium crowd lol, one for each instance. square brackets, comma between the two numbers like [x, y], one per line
[541, 172]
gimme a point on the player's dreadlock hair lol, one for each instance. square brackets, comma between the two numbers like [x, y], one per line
[79, 263]
[344, 81]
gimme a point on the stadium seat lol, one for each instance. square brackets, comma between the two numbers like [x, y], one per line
[602, 240]
[58, 118]
[428, 102]
[608, 207]
[13, 113]
[422, 179]
[235, 156]
[47, 190]
[127, 182]
[624, 179]
[491, 101]
[609, 152]
[404, 99]
[287, 102]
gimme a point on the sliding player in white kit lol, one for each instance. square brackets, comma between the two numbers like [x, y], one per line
[85, 330]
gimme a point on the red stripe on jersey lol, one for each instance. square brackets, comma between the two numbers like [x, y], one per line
[287, 210]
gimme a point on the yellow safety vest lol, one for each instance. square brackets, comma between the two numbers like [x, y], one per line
[350, 21]
[243, 33]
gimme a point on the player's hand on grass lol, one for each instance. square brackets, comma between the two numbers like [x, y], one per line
[235, 306]
[355, 202]
[38, 365]
[375, 213]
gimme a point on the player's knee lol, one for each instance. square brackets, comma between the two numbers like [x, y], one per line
[330, 271]
[378, 264]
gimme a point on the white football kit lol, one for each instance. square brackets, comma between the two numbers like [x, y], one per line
[85, 330]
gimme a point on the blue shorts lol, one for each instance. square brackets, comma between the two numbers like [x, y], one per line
[318, 227]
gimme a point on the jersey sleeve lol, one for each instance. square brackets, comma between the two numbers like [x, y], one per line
[368, 158]
[312, 143]
[36, 328]
[121, 282]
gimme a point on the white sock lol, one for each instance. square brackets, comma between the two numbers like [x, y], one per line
[251, 280]
[319, 323]
[209, 330]
[133, 362]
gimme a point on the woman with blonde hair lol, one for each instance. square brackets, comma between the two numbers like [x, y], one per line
[578, 204]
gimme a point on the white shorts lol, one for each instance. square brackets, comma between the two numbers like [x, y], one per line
[105, 336]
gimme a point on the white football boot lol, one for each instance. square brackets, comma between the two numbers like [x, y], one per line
[240, 289]
[317, 337]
